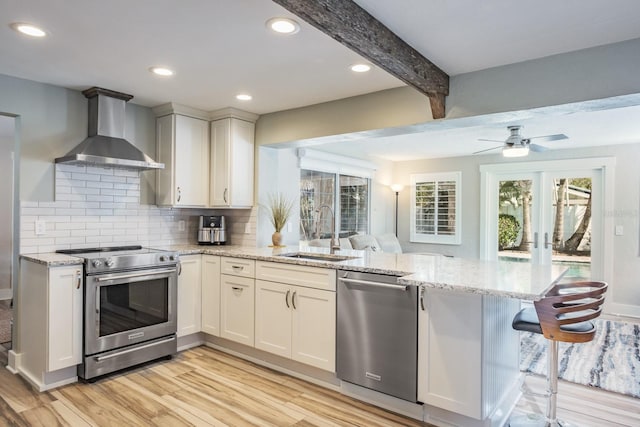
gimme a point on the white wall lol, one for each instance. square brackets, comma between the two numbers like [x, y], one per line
[626, 281]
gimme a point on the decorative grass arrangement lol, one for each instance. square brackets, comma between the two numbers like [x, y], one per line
[280, 208]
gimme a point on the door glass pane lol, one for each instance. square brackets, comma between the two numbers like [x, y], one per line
[133, 305]
[571, 238]
[515, 233]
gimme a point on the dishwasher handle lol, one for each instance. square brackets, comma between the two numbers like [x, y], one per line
[375, 284]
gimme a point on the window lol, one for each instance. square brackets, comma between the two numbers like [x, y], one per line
[349, 193]
[435, 207]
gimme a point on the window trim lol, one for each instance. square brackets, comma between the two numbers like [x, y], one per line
[454, 239]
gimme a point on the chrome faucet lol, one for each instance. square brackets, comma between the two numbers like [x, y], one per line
[335, 243]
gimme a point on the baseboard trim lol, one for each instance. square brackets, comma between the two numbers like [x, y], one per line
[6, 294]
[623, 310]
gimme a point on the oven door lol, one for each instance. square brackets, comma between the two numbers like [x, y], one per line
[130, 307]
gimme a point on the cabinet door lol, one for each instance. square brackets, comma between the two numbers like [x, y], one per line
[220, 141]
[237, 308]
[191, 161]
[232, 163]
[314, 327]
[211, 294]
[65, 318]
[450, 352]
[273, 318]
[242, 164]
[189, 295]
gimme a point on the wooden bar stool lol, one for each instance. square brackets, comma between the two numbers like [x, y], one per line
[563, 314]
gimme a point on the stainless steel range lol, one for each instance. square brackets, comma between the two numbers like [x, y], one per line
[129, 307]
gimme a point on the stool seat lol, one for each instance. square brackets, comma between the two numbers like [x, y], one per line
[527, 320]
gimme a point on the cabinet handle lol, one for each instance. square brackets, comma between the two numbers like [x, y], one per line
[237, 267]
[179, 268]
[422, 298]
[179, 194]
[286, 298]
[237, 288]
[98, 300]
[224, 196]
[547, 243]
[293, 300]
[79, 279]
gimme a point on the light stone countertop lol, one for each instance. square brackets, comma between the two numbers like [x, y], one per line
[52, 259]
[499, 278]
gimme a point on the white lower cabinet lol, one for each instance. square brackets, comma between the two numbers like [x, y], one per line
[49, 324]
[64, 343]
[467, 351]
[237, 308]
[296, 322]
[189, 295]
[211, 294]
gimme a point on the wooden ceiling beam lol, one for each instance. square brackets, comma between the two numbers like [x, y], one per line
[348, 23]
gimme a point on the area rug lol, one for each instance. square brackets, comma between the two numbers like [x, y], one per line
[610, 362]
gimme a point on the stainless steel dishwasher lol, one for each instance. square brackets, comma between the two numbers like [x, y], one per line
[377, 330]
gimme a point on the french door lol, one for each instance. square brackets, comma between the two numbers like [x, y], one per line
[548, 213]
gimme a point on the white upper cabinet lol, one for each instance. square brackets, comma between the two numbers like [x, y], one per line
[232, 163]
[183, 146]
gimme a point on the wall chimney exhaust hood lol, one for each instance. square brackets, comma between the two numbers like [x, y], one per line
[105, 145]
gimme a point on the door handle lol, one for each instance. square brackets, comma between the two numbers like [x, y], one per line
[547, 243]
[286, 298]
[535, 240]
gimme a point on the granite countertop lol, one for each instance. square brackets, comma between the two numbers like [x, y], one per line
[499, 278]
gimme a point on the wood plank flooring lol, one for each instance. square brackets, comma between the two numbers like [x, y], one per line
[205, 387]
[199, 387]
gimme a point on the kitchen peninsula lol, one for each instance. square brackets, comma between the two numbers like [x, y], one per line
[467, 352]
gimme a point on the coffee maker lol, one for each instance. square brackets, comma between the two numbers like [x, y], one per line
[212, 230]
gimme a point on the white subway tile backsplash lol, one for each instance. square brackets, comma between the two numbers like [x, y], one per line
[101, 207]
[70, 197]
[38, 211]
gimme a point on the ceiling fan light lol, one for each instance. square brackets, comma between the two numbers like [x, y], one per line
[515, 151]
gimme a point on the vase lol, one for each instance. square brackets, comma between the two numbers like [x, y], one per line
[276, 238]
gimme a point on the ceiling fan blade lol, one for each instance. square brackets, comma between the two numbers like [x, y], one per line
[537, 148]
[547, 138]
[488, 149]
[490, 140]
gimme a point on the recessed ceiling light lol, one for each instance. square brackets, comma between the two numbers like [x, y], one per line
[161, 71]
[28, 29]
[244, 97]
[360, 68]
[283, 25]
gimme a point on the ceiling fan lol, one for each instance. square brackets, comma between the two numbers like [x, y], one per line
[516, 145]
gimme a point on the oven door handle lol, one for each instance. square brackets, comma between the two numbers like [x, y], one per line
[132, 349]
[133, 275]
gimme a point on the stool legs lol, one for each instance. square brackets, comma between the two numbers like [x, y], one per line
[552, 382]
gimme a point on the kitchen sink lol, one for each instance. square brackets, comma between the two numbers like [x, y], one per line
[318, 257]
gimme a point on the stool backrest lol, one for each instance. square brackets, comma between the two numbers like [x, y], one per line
[569, 304]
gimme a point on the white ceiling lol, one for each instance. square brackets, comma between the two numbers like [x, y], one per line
[219, 48]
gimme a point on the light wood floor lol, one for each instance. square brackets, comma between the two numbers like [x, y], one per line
[200, 387]
[204, 387]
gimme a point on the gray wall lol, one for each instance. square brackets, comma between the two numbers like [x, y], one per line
[54, 120]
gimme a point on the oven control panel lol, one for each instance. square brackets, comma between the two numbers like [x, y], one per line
[101, 264]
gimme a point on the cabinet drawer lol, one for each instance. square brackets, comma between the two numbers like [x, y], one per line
[310, 277]
[238, 267]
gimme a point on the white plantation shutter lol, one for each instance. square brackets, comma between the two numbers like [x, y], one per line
[435, 207]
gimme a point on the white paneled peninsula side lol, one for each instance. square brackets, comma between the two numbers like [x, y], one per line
[280, 312]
